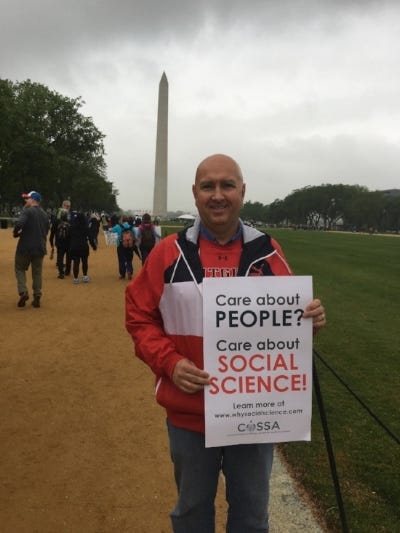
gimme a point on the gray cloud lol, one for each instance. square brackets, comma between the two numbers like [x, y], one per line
[301, 92]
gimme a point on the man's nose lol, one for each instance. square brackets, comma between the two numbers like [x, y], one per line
[217, 193]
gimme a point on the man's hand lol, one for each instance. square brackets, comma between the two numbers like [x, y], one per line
[188, 377]
[316, 311]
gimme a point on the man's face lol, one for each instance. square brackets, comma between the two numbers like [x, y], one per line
[219, 192]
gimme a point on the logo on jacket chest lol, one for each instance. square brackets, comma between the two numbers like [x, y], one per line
[219, 272]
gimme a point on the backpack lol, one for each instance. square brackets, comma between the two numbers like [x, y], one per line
[127, 239]
[62, 231]
[148, 239]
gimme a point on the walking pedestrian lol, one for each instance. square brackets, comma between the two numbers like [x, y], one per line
[94, 227]
[80, 239]
[31, 229]
[147, 235]
[60, 238]
[125, 245]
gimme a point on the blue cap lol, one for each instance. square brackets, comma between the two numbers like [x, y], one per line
[33, 195]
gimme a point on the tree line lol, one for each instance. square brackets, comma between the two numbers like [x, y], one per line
[48, 145]
[350, 207]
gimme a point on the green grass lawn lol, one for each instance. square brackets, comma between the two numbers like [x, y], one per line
[358, 279]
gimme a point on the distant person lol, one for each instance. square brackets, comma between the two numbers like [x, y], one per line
[147, 235]
[79, 247]
[94, 227]
[163, 316]
[60, 237]
[65, 209]
[132, 223]
[157, 228]
[104, 222]
[125, 245]
[31, 228]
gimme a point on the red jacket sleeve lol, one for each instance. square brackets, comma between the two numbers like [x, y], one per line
[143, 319]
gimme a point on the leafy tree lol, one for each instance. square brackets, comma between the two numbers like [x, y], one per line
[349, 203]
[325, 205]
[300, 208]
[367, 210]
[391, 213]
[48, 145]
[253, 211]
[276, 212]
[329, 202]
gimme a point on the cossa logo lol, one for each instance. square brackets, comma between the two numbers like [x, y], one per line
[250, 427]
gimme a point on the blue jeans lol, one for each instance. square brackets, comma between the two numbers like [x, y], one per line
[125, 258]
[247, 471]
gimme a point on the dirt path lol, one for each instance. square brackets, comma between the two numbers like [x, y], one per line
[83, 445]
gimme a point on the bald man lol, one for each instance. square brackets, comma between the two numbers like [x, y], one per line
[164, 318]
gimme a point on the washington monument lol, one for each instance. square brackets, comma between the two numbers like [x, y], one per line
[161, 167]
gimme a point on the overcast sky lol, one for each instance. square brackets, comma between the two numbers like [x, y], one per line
[298, 92]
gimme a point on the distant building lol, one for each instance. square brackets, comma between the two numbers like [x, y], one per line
[391, 192]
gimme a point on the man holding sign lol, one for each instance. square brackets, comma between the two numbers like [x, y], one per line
[164, 315]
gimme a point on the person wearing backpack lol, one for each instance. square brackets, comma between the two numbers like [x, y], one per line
[79, 246]
[148, 236]
[125, 245]
[60, 238]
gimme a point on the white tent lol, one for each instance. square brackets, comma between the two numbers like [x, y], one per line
[186, 217]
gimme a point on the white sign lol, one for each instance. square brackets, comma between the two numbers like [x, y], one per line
[258, 352]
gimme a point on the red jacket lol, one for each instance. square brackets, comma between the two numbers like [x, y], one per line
[164, 311]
